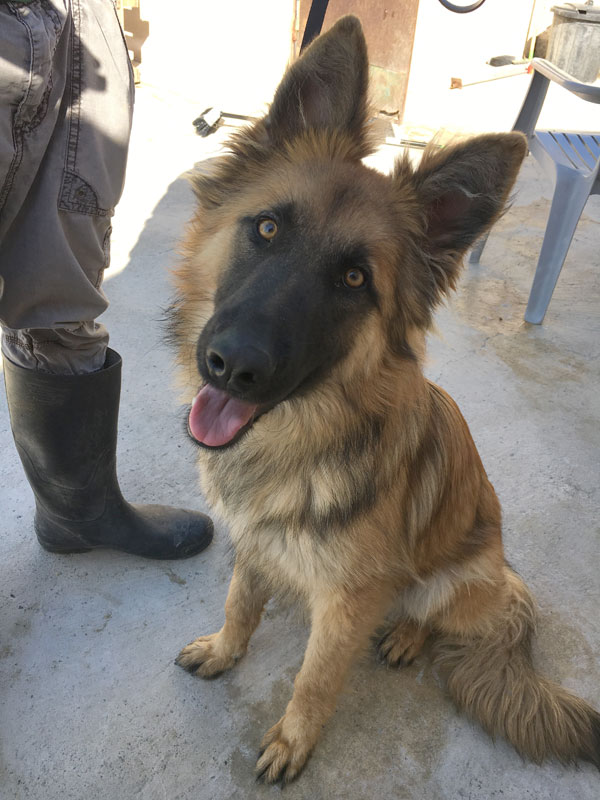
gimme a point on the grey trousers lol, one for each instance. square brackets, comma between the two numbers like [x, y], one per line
[66, 102]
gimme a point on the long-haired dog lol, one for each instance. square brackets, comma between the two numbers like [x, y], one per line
[346, 477]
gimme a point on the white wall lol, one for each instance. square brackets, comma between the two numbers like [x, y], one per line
[458, 45]
[227, 53]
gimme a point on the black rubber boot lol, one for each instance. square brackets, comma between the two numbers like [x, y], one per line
[65, 429]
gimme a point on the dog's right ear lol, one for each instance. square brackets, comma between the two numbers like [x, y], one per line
[326, 89]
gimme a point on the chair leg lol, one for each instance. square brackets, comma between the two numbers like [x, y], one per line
[570, 196]
[477, 250]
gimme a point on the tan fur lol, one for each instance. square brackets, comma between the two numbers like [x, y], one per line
[366, 495]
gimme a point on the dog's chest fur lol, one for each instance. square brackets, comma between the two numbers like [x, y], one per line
[290, 516]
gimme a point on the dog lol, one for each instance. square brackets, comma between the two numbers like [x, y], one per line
[349, 481]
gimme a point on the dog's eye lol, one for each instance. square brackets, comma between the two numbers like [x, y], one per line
[267, 228]
[354, 278]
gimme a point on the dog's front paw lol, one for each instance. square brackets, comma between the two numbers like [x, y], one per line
[283, 757]
[206, 656]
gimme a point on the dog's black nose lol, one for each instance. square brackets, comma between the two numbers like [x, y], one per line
[237, 367]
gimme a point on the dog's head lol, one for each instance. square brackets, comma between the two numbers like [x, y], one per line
[301, 258]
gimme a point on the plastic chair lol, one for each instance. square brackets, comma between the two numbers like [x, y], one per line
[574, 160]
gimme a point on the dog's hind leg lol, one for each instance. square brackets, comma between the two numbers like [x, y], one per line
[341, 627]
[402, 643]
[207, 656]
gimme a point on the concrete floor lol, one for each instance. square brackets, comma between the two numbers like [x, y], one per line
[92, 704]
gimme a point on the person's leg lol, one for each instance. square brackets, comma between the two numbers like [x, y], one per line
[65, 430]
[64, 135]
[75, 350]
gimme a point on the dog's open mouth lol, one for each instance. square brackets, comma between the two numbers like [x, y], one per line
[217, 419]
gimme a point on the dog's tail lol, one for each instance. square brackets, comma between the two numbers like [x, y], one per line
[493, 680]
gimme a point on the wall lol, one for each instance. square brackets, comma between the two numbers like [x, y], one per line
[459, 45]
[230, 54]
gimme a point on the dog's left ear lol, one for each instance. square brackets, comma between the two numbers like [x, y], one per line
[463, 189]
[326, 89]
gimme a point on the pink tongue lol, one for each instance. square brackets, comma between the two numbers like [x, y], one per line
[216, 417]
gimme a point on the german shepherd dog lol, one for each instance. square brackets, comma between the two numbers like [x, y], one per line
[348, 480]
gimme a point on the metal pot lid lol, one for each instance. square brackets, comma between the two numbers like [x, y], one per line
[582, 12]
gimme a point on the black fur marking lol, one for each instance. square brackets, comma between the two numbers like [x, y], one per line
[591, 752]
[171, 323]
[285, 299]
[356, 457]
[477, 540]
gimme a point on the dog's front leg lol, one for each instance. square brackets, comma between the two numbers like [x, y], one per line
[341, 626]
[207, 656]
